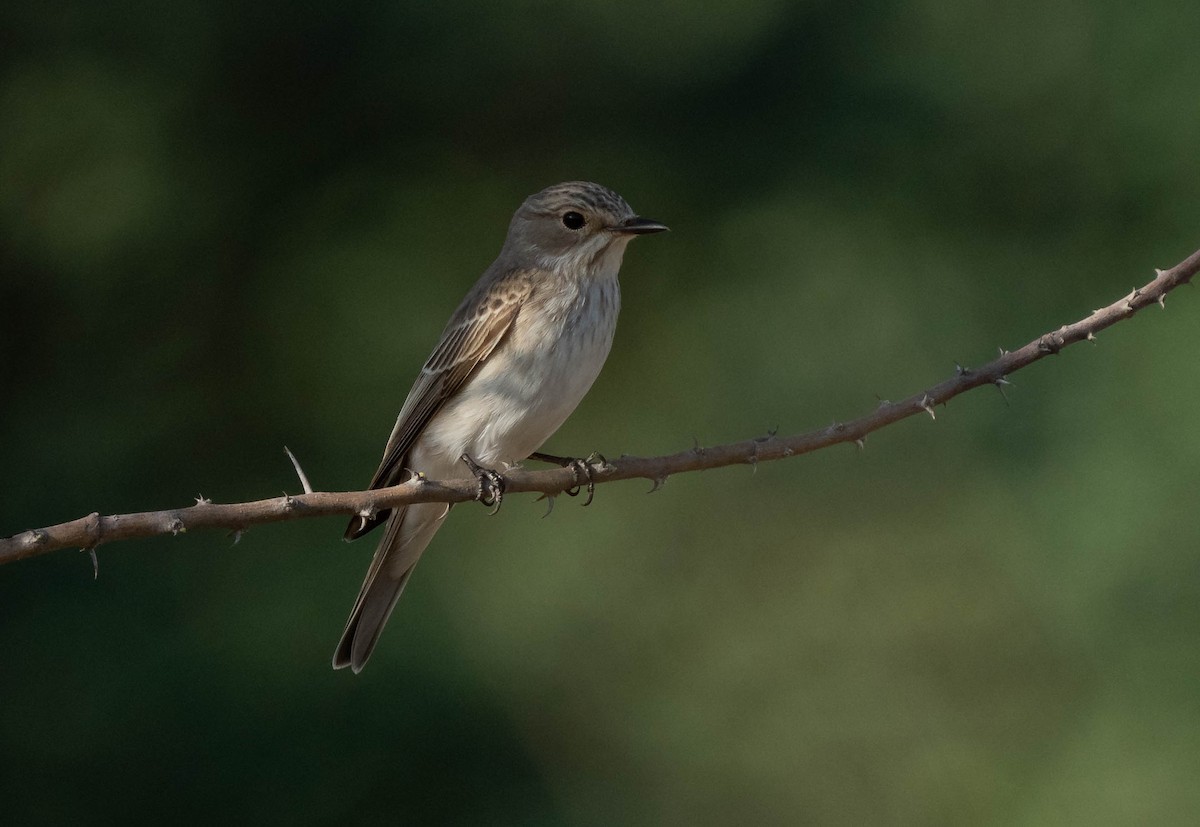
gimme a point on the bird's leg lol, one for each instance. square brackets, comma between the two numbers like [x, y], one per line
[581, 468]
[491, 484]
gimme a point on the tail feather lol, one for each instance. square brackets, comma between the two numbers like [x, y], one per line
[366, 622]
[408, 532]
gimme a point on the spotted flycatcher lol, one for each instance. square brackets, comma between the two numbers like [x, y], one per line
[513, 362]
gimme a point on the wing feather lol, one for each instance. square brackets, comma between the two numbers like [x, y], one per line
[477, 327]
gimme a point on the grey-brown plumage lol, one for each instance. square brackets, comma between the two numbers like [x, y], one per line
[515, 359]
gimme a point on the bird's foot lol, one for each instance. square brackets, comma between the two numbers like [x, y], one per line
[491, 484]
[583, 469]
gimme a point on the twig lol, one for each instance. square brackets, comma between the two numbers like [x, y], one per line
[90, 531]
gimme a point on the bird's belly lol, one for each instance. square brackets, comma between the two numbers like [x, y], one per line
[522, 393]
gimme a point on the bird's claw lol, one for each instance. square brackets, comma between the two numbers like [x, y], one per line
[581, 470]
[581, 473]
[491, 484]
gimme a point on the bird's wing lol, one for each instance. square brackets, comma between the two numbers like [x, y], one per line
[477, 327]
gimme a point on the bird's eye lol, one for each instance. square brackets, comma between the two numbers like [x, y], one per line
[573, 220]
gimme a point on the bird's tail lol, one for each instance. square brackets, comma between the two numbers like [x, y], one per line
[408, 532]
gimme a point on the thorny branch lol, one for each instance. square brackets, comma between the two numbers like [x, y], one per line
[94, 529]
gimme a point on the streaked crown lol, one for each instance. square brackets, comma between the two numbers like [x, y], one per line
[583, 195]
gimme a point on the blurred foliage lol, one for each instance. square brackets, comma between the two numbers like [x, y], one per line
[225, 227]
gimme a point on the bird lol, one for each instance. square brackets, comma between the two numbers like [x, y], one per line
[513, 362]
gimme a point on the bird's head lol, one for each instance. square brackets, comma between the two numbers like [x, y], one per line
[575, 224]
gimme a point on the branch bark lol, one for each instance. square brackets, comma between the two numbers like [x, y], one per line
[94, 529]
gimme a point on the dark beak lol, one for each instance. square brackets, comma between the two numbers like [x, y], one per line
[640, 226]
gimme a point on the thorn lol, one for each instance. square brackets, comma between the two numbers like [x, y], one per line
[959, 370]
[1158, 274]
[753, 461]
[861, 442]
[1091, 337]
[203, 500]
[237, 535]
[1003, 352]
[1162, 300]
[299, 471]
[659, 482]
[91, 550]
[366, 515]
[1126, 306]
[927, 404]
[696, 449]
[771, 433]
[1000, 383]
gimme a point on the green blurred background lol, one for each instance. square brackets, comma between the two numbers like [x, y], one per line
[226, 227]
